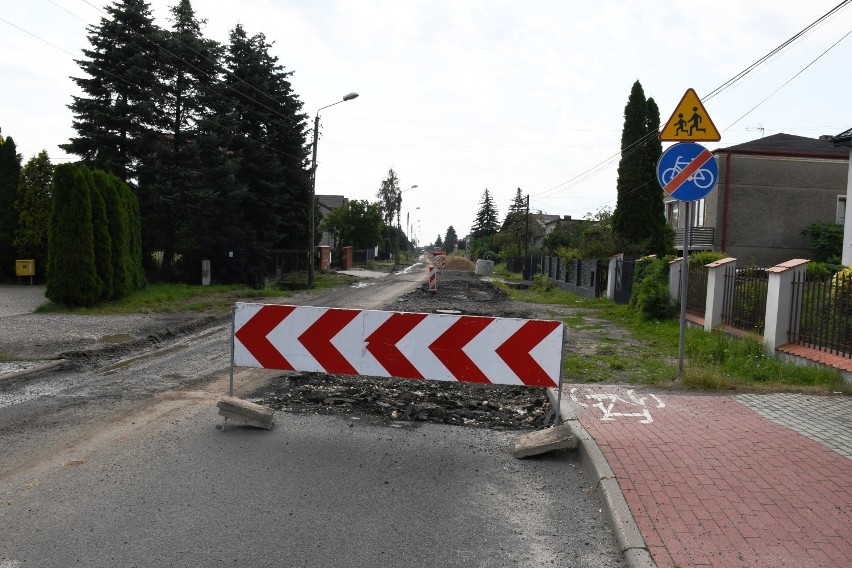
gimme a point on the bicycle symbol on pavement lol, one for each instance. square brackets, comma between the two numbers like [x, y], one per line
[606, 403]
[703, 178]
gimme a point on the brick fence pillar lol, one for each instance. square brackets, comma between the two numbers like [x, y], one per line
[778, 303]
[716, 291]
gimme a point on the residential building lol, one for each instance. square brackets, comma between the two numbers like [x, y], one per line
[326, 204]
[769, 190]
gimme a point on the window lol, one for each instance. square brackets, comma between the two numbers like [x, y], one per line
[840, 214]
[671, 213]
[698, 213]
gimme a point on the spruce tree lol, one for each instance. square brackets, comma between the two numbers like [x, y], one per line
[174, 196]
[638, 218]
[33, 210]
[72, 277]
[451, 239]
[119, 116]
[10, 169]
[272, 146]
[486, 223]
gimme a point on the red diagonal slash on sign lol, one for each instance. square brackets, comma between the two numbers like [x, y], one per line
[253, 335]
[317, 340]
[382, 345]
[448, 348]
[515, 351]
[686, 172]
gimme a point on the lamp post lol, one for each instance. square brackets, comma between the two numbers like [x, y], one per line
[312, 197]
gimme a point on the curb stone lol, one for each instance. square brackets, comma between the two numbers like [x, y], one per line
[59, 363]
[627, 534]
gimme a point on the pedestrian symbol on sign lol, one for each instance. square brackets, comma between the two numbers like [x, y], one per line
[690, 122]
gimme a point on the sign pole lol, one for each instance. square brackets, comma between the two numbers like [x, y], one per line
[684, 277]
[558, 419]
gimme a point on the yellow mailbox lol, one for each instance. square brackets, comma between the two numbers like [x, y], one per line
[25, 267]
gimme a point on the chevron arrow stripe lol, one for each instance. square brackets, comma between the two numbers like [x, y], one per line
[516, 352]
[253, 336]
[382, 345]
[317, 340]
[449, 348]
[406, 345]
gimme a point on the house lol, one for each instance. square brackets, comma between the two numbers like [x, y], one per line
[769, 190]
[844, 140]
[327, 203]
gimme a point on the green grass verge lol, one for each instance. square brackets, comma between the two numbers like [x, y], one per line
[217, 298]
[713, 360]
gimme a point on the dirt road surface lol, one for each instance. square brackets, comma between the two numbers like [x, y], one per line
[118, 460]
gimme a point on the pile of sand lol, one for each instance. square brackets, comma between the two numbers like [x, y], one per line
[453, 263]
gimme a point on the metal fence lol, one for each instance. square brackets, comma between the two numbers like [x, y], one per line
[696, 290]
[821, 314]
[583, 277]
[744, 303]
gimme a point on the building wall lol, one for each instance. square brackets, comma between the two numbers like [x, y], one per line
[770, 201]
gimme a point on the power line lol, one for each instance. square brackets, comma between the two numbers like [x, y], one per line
[636, 146]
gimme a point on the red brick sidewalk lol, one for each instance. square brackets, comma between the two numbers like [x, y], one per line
[712, 483]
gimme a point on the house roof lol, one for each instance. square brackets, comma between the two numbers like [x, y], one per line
[789, 145]
[843, 139]
[329, 202]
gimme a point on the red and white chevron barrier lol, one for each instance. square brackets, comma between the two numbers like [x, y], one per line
[433, 279]
[397, 344]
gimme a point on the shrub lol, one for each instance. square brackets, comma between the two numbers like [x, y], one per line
[542, 283]
[72, 277]
[706, 257]
[650, 295]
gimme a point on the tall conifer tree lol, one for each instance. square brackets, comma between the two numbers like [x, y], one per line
[119, 116]
[639, 218]
[72, 277]
[486, 223]
[10, 169]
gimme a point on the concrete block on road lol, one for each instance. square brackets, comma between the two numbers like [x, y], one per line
[543, 441]
[246, 412]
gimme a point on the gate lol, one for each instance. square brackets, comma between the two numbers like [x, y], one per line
[623, 280]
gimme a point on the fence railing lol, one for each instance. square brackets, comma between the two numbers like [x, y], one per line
[821, 314]
[696, 290]
[744, 303]
[583, 277]
[700, 238]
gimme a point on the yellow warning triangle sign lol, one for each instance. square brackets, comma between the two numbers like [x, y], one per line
[690, 122]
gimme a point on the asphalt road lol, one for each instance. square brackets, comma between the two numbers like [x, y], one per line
[122, 464]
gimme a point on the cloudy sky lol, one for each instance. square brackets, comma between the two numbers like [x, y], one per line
[462, 95]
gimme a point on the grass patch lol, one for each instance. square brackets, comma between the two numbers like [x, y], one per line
[174, 298]
[501, 271]
[713, 360]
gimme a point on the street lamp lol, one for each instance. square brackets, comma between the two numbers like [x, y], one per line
[312, 197]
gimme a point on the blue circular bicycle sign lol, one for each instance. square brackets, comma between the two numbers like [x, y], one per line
[687, 171]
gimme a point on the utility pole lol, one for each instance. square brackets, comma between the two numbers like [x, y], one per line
[398, 229]
[527, 268]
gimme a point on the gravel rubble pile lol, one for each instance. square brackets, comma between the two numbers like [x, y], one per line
[502, 407]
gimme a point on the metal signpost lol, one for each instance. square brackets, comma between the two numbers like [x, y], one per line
[688, 172]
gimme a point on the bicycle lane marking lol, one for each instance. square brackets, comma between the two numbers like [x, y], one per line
[625, 403]
[693, 166]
